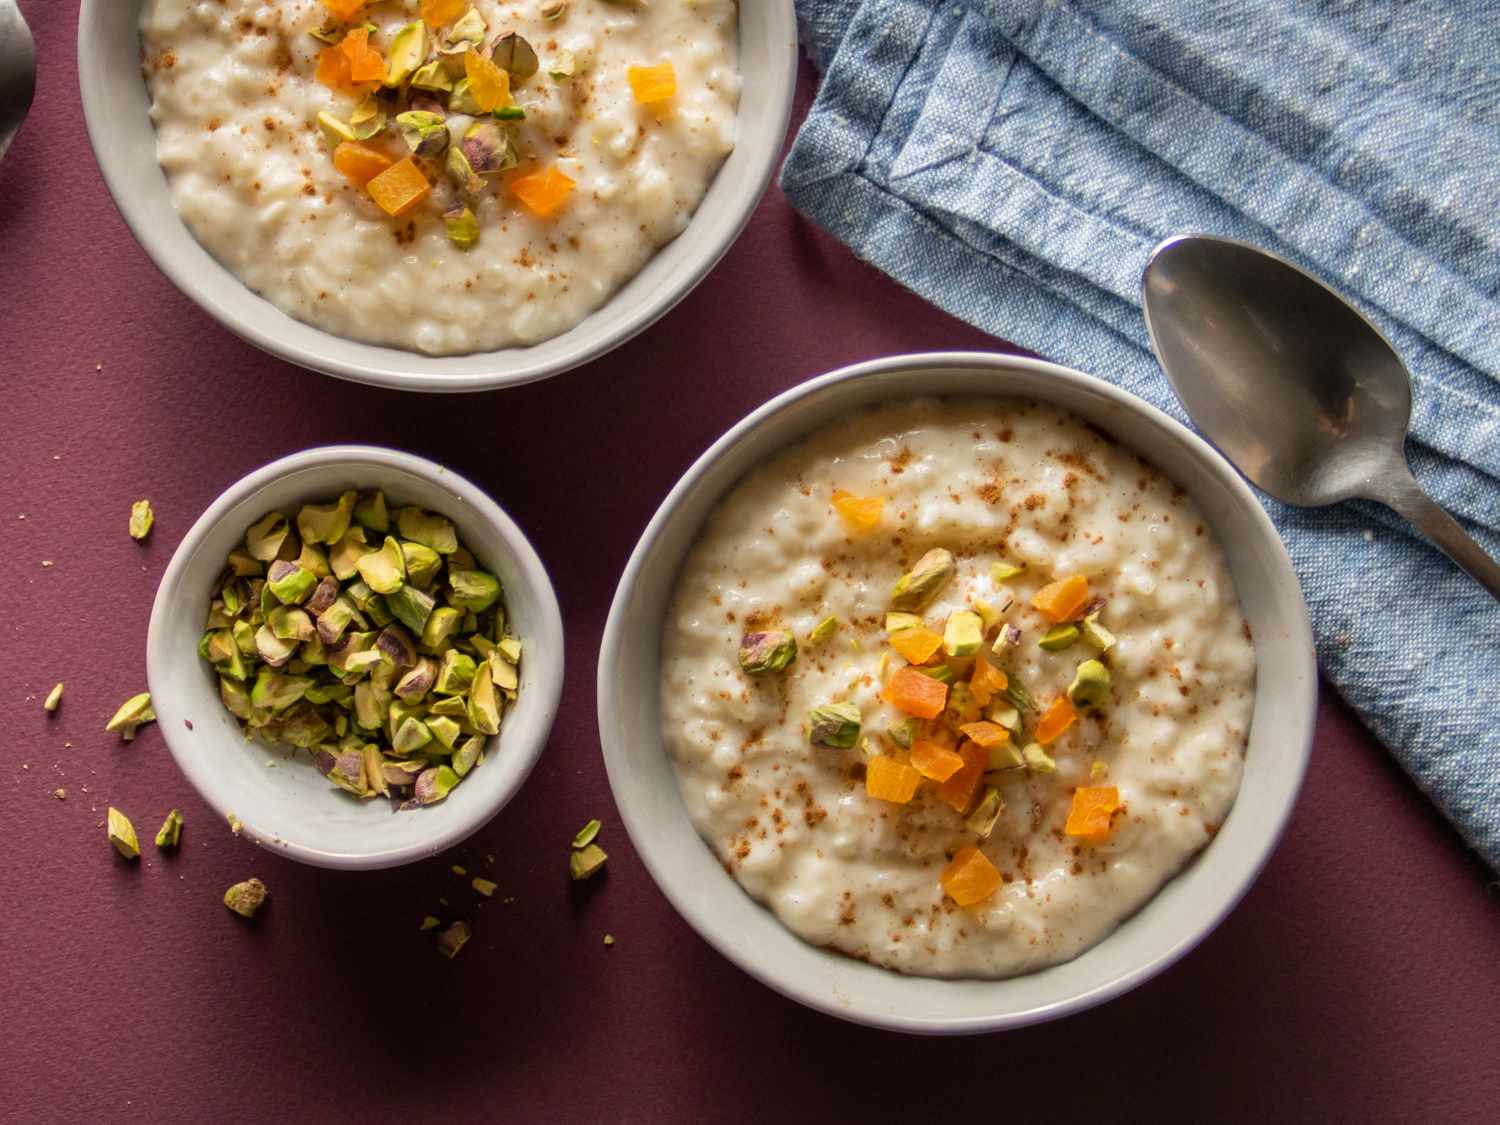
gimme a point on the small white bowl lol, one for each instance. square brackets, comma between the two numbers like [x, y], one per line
[1180, 915]
[116, 109]
[291, 809]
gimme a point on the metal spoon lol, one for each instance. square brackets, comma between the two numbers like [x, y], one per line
[17, 71]
[1295, 387]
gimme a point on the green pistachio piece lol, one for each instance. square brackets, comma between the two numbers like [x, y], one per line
[473, 590]
[940, 672]
[515, 54]
[266, 537]
[368, 119]
[1059, 637]
[408, 49]
[425, 133]
[504, 672]
[434, 784]
[335, 132]
[141, 519]
[1016, 692]
[412, 736]
[169, 835]
[925, 581]
[347, 771]
[442, 624]
[461, 226]
[585, 861]
[899, 622]
[484, 704]
[562, 67]
[244, 564]
[488, 150]
[1091, 684]
[462, 173]
[411, 606]
[444, 731]
[553, 10]
[429, 923]
[470, 30]
[963, 634]
[371, 705]
[54, 699]
[770, 651]
[275, 691]
[961, 707]
[428, 529]
[432, 76]
[904, 732]
[422, 563]
[823, 630]
[510, 649]
[272, 649]
[370, 512]
[289, 583]
[122, 834]
[330, 32]
[1007, 638]
[1004, 571]
[246, 898]
[834, 724]
[585, 835]
[456, 673]
[236, 698]
[1037, 758]
[341, 695]
[375, 778]
[399, 712]
[1005, 756]
[288, 623]
[1006, 716]
[326, 523]
[1096, 634]
[982, 820]
[384, 571]
[468, 754]
[454, 706]
[313, 559]
[484, 886]
[462, 100]
[451, 940]
[134, 712]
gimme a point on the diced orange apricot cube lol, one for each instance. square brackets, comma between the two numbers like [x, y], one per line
[333, 69]
[969, 877]
[652, 84]
[916, 694]
[1061, 600]
[542, 193]
[986, 734]
[399, 188]
[862, 511]
[890, 780]
[360, 162]
[932, 761]
[987, 681]
[917, 645]
[1093, 810]
[489, 85]
[344, 9]
[436, 13]
[1056, 719]
[958, 791]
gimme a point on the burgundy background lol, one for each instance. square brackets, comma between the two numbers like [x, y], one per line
[1360, 979]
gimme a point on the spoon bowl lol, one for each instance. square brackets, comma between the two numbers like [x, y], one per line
[1292, 383]
[17, 71]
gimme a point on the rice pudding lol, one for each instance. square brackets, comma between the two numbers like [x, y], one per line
[955, 686]
[436, 175]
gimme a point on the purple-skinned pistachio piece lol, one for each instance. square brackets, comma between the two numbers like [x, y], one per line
[396, 645]
[487, 149]
[425, 132]
[769, 651]
[290, 583]
[417, 682]
[246, 898]
[348, 772]
[401, 774]
[324, 595]
[324, 760]
[434, 784]
[451, 940]
[334, 620]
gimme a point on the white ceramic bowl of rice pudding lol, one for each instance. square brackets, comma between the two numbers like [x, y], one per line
[1050, 706]
[438, 195]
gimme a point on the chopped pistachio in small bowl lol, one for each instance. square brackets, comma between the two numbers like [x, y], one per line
[346, 625]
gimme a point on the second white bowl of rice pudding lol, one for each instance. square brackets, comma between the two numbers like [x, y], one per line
[949, 693]
[436, 194]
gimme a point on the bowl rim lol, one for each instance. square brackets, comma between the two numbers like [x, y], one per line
[548, 646]
[700, 916]
[398, 368]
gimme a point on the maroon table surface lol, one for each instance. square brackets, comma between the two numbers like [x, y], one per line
[1359, 979]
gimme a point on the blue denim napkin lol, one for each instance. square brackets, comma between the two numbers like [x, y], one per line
[1015, 161]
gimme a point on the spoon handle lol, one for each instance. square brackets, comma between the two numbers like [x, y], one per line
[1406, 497]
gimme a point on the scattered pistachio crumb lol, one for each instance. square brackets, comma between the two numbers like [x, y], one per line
[824, 629]
[60, 794]
[245, 898]
[609, 939]
[1098, 770]
[457, 870]
[451, 940]
[483, 886]
[122, 834]
[234, 824]
[586, 861]
[585, 835]
[141, 519]
[54, 698]
[170, 833]
[429, 923]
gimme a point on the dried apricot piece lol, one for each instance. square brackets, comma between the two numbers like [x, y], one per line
[333, 69]
[542, 193]
[359, 162]
[969, 877]
[488, 84]
[344, 9]
[890, 780]
[1056, 719]
[916, 694]
[917, 645]
[987, 681]
[985, 734]
[862, 511]
[1061, 600]
[436, 13]
[652, 84]
[958, 791]
[399, 188]
[1093, 810]
[365, 62]
[932, 761]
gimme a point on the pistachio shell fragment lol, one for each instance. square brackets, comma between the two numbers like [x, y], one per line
[586, 861]
[141, 519]
[925, 581]
[451, 940]
[834, 724]
[134, 712]
[769, 651]
[122, 834]
[169, 835]
[246, 898]
[1091, 684]
[553, 10]
[54, 699]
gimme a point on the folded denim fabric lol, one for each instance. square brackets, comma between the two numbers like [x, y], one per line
[1016, 161]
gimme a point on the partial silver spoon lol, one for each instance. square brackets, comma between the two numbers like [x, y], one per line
[1294, 385]
[17, 71]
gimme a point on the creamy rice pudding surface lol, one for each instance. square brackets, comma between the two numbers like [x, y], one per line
[1083, 825]
[236, 99]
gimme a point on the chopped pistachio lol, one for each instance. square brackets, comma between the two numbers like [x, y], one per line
[444, 731]
[483, 886]
[275, 691]
[370, 512]
[335, 131]
[141, 519]
[435, 784]
[473, 590]
[1004, 571]
[904, 732]
[1037, 758]
[515, 54]
[461, 172]
[585, 835]
[1098, 770]
[330, 32]
[395, 644]
[553, 10]
[924, 581]
[384, 571]
[458, 869]
[411, 735]
[1008, 637]
[461, 226]
[368, 119]
[411, 606]
[770, 651]
[54, 699]
[408, 49]
[1006, 716]
[1059, 637]
[429, 923]
[432, 76]
[1005, 756]
[503, 672]
[451, 940]
[961, 706]
[1096, 634]
[585, 861]
[287, 622]
[169, 835]
[428, 529]
[417, 682]
[60, 794]
[444, 622]
[122, 834]
[898, 622]
[834, 724]
[484, 706]
[246, 898]
[823, 630]
[510, 649]
[244, 564]
[236, 698]
[461, 100]
[344, 556]
[488, 148]
[562, 67]
[982, 820]
[425, 134]
[1016, 691]
[939, 672]
[469, 30]
[265, 538]
[1091, 684]
[963, 634]
[468, 754]
[326, 523]
[609, 939]
[455, 674]
[134, 712]
[289, 583]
